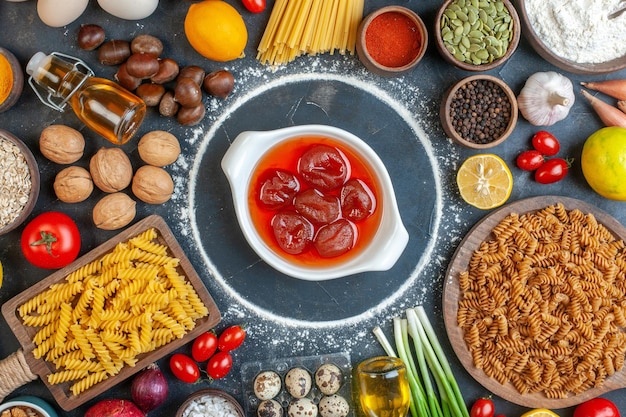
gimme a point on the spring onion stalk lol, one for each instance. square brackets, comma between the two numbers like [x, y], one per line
[384, 342]
[421, 314]
[418, 401]
[438, 363]
[433, 403]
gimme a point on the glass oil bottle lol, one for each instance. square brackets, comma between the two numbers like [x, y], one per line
[104, 106]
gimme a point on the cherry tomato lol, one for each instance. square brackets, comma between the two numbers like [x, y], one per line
[483, 407]
[278, 188]
[219, 365]
[184, 368]
[335, 239]
[530, 160]
[324, 167]
[357, 200]
[254, 6]
[293, 232]
[51, 240]
[597, 407]
[317, 207]
[552, 170]
[231, 338]
[204, 346]
[546, 143]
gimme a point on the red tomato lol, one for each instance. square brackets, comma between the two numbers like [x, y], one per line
[530, 160]
[293, 232]
[219, 365]
[335, 239]
[597, 407]
[231, 338]
[204, 346]
[552, 170]
[51, 240]
[278, 189]
[254, 6]
[546, 143]
[357, 200]
[184, 368]
[324, 167]
[317, 207]
[483, 407]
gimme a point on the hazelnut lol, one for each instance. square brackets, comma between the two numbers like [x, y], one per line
[152, 185]
[73, 184]
[158, 148]
[111, 169]
[61, 144]
[114, 211]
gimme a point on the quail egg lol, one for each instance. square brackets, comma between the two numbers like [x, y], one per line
[328, 378]
[302, 407]
[333, 406]
[269, 408]
[267, 385]
[298, 382]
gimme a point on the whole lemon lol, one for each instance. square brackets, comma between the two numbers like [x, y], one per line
[216, 30]
[603, 162]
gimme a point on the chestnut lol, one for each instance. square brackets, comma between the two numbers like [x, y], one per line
[219, 83]
[168, 106]
[168, 70]
[113, 52]
[125, 79]
[191, 116]
[150, 93]
[194, 72]
[90, 36]
[146, 44]
[187, 92]
[142, 66]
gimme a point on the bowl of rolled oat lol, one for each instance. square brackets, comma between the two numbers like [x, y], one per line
[27, 406]
[19, 182]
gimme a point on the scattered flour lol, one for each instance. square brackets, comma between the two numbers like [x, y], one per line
[421, 113]
[579, 30]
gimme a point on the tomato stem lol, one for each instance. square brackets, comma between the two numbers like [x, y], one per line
[47, 239]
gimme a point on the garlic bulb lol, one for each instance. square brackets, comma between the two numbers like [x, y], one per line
[546, 98]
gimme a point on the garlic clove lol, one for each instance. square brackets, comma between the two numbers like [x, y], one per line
[546, 98]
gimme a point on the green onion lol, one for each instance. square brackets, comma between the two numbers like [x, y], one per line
[425, 363]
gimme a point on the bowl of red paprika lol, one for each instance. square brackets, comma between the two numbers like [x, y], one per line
[391, 41]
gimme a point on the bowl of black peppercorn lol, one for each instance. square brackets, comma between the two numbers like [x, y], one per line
[479, 111]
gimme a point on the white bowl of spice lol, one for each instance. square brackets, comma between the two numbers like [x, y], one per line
[578, 36]
[19, 182]
[210, 402]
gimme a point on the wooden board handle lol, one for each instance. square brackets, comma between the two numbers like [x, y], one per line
[14, 372]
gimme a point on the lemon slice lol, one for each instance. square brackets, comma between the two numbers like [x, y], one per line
[540, 412]
[484, 181]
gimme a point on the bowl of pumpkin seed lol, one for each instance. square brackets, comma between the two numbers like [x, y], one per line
[477, 35]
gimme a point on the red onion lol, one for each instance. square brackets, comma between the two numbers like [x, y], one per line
[149, 389]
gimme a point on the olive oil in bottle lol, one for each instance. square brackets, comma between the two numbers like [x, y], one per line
[104, 106]
[383, 387]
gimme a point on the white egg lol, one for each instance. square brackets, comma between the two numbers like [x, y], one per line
[129, 10]
[57, 13]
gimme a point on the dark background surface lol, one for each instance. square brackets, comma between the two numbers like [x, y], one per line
[397, 117]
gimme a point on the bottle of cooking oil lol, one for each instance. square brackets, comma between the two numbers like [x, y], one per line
[104, 106]
[383, 387]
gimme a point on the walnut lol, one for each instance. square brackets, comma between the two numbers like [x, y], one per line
[61, 144]
[114, 211]
[73, 184]
[158, 148]
[111, 169]
[152, 185]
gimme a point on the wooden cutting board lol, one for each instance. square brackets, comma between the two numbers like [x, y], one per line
[61, 392]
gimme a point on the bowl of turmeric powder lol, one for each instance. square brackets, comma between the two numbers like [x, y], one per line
[11, 79]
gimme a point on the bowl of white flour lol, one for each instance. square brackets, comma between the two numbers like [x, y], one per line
[576, 35]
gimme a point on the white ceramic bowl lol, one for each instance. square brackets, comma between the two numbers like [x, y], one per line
[387, 244]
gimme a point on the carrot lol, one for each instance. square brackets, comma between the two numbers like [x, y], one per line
[610, 115]
[613, 88]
